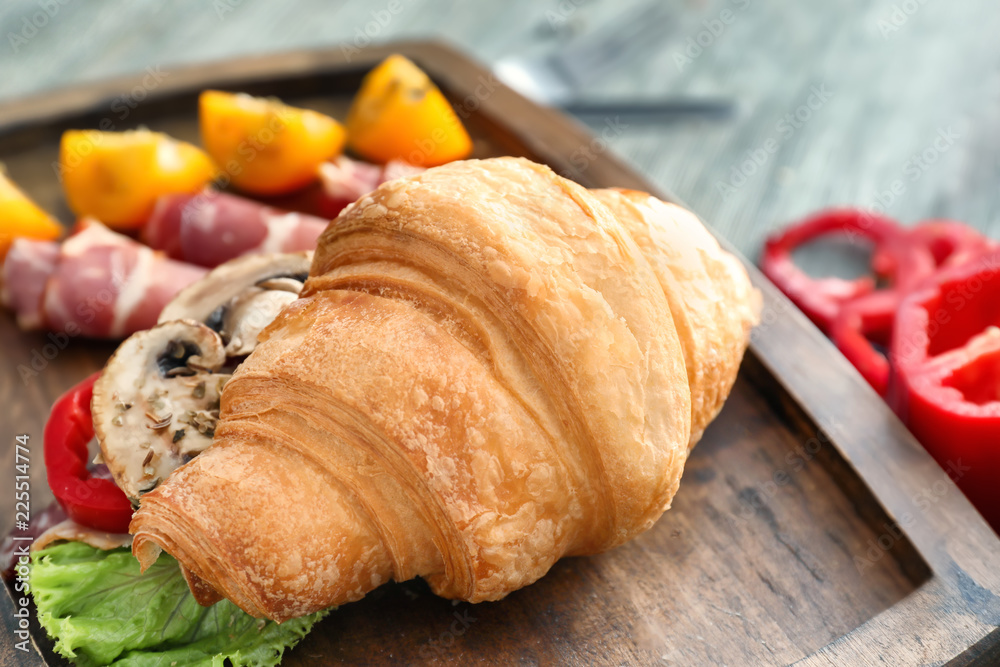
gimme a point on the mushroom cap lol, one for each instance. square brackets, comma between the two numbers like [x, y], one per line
[200, 300]
[156, 404]
[249, 312]
[158, 384]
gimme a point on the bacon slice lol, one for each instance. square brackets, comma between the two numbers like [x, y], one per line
[345, 180]
[211, 228]
[71, 531]
[398, 169]
[97, 284]
[25, 270]
[340, 183]
[111, 286]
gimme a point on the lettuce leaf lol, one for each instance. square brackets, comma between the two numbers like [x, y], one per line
[100, 610]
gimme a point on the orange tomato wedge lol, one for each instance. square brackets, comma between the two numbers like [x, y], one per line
[264, 146]
[399, 114]
[21, 217]
[117, 177]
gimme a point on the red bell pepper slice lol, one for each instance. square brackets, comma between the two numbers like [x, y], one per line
[91, 501]
[949, 243]
[853, 313]
[856, 325]
[909, 259]
[945, 381]
[821, 299]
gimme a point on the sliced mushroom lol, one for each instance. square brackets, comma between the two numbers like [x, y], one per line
[247, 314]
[241, 297]
[156, 404]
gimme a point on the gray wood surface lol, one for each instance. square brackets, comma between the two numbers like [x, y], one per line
[891, 633]
[899, 73]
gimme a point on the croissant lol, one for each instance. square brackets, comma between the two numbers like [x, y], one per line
[489, 368]
[711, 300]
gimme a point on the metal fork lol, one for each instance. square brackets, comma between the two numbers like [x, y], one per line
[555, 78]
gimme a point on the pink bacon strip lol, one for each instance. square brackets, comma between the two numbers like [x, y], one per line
[340, 183]
[97, 284]
[25, 270]
[211, 228]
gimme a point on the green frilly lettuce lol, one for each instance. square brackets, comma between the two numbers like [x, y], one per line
[100, 610]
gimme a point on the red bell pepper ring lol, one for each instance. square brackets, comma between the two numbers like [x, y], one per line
[821, 299]
[950, 243]
[945, 381]
[852, 331]
[88, 500]
[910, 259]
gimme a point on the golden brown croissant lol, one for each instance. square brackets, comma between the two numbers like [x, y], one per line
[710, 297]
[482, 375]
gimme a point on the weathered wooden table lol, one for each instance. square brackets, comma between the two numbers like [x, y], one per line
[869, 103]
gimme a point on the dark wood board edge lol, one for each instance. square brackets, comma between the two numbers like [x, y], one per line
[954, 615]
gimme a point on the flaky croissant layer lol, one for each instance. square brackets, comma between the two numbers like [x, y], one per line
[489, 368]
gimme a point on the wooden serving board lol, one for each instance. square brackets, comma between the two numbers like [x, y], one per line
[810, 527]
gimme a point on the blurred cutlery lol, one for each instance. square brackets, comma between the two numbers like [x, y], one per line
[554, 79]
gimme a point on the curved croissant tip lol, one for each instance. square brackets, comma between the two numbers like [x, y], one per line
[145, 551]
[203, 592]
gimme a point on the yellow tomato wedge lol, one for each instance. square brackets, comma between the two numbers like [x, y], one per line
[21, 217]
[117, 177]
[399, 114]
[265, 146]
